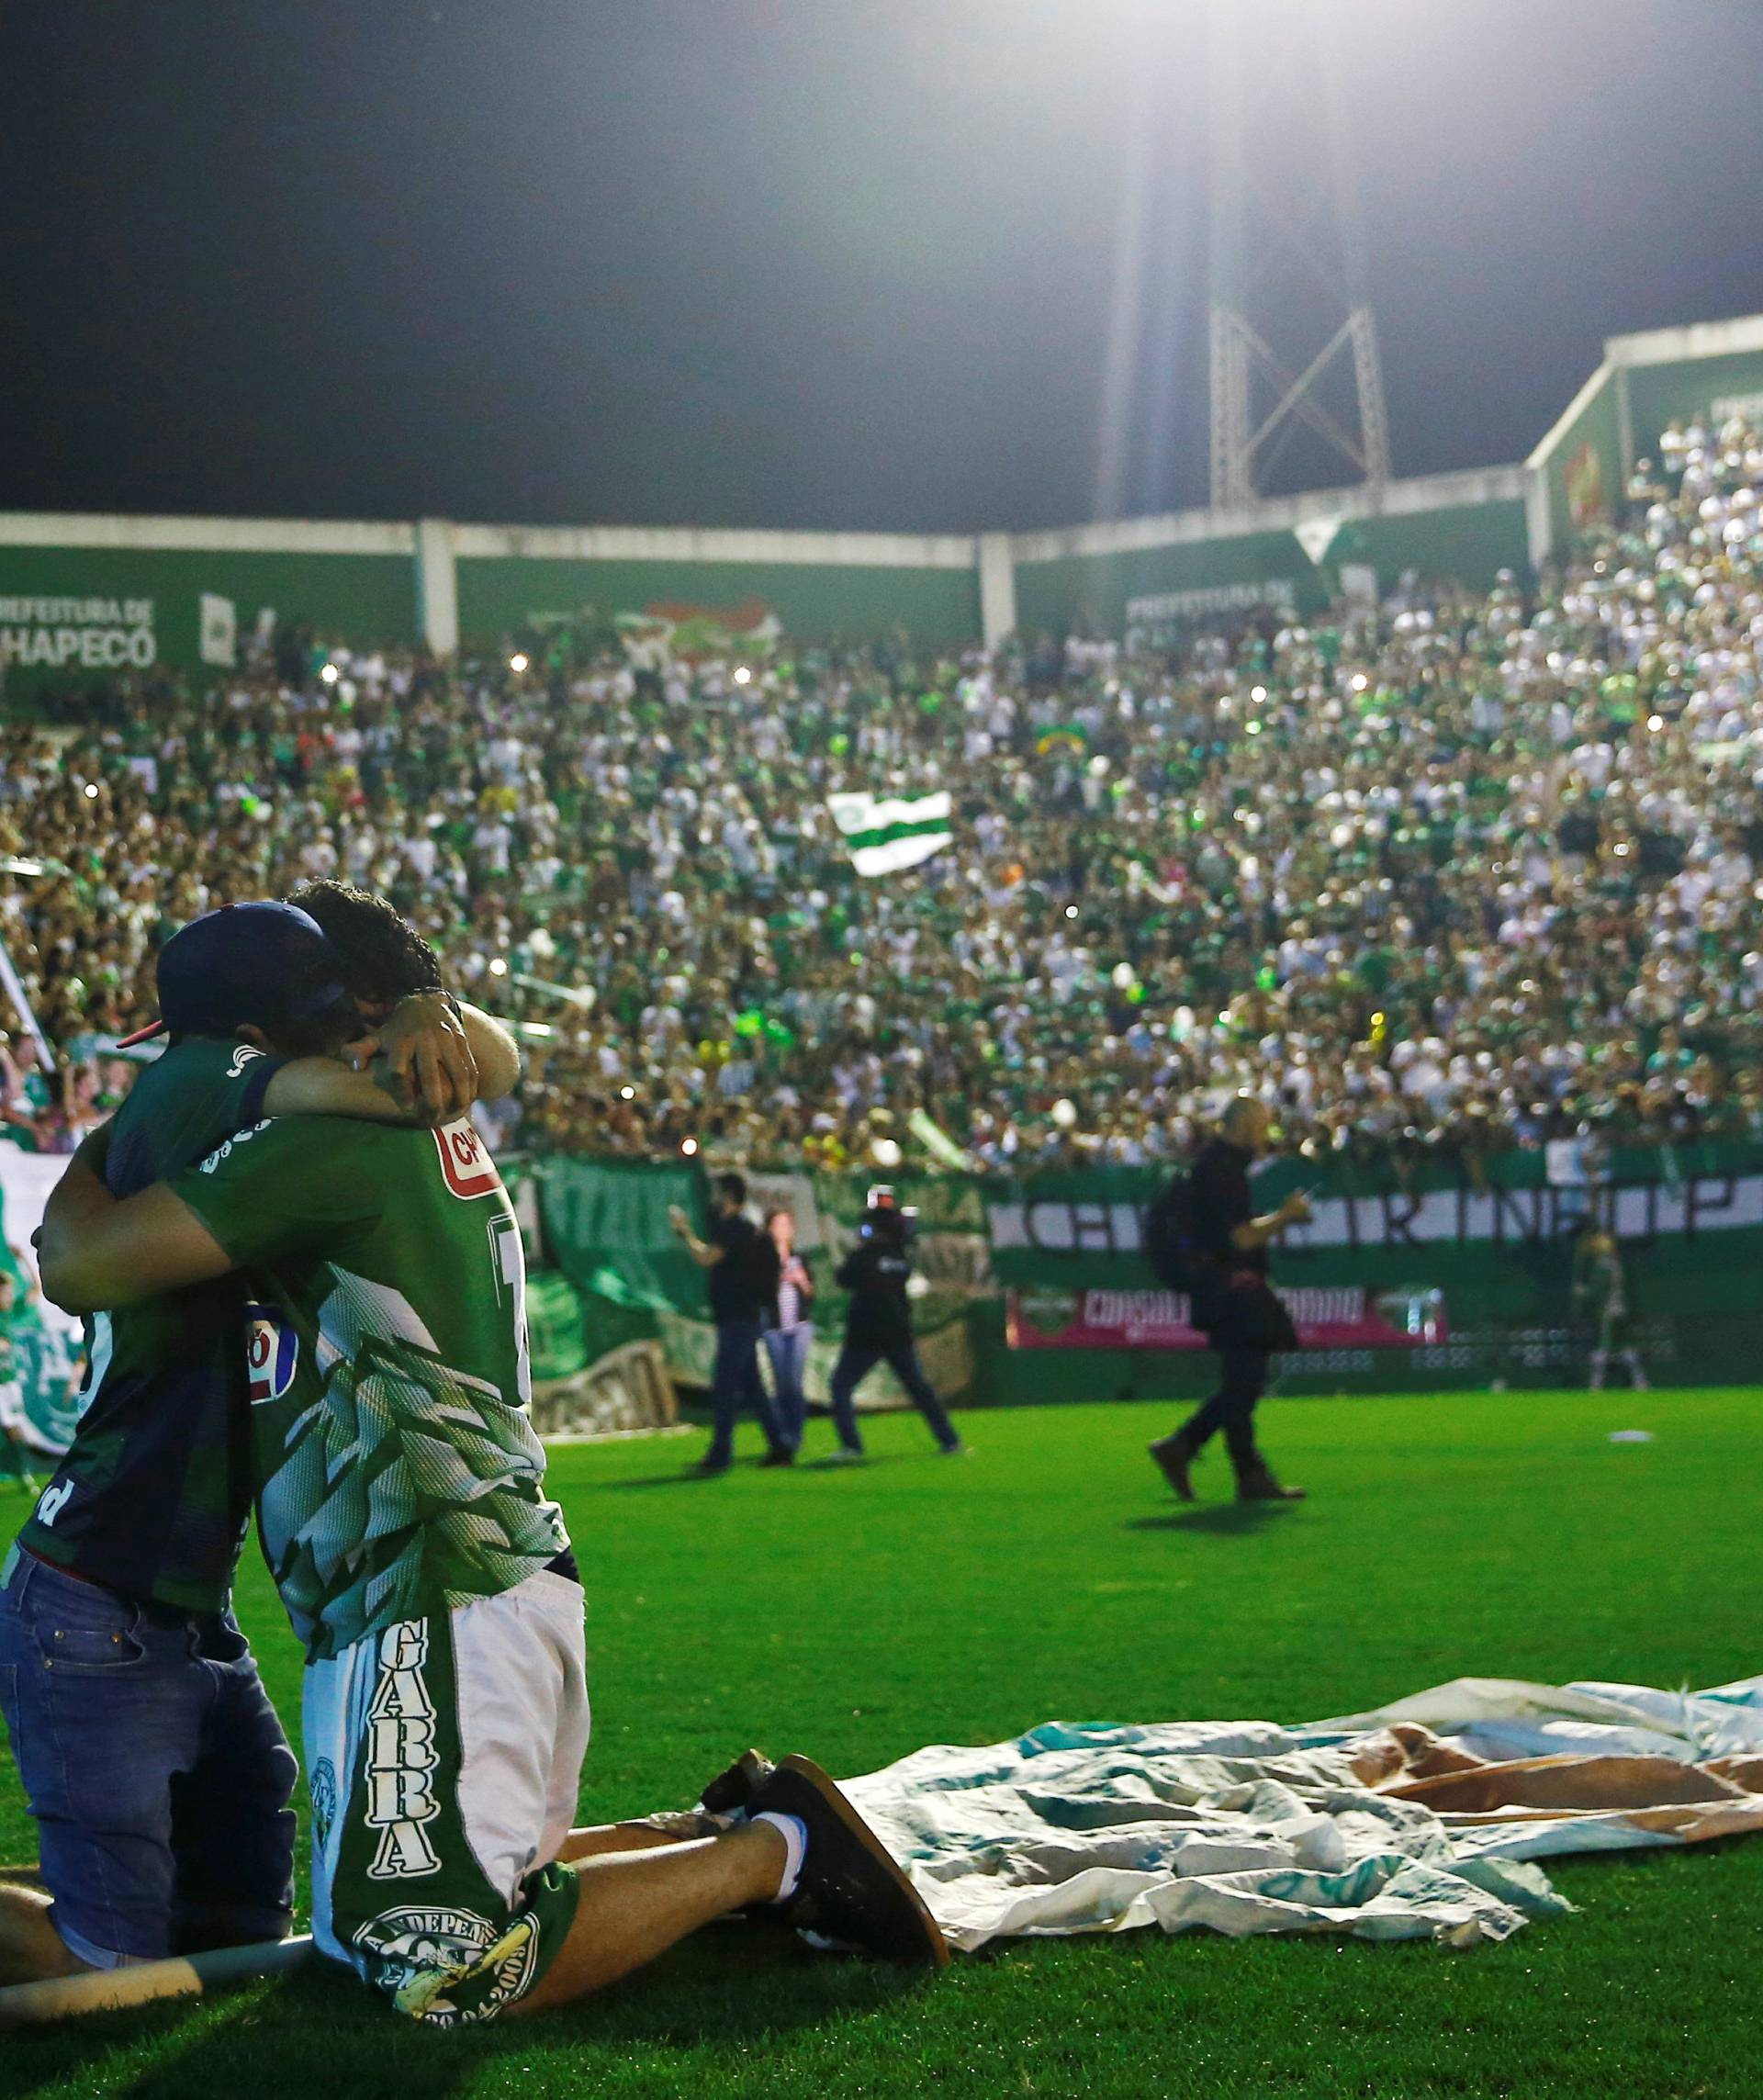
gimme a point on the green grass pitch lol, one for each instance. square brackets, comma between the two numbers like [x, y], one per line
[857, 1615]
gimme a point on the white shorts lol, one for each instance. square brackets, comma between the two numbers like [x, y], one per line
[443, 1756]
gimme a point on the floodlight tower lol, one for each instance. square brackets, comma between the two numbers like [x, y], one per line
[1293, 342]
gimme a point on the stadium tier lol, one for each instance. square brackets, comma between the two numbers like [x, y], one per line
[1459, 870]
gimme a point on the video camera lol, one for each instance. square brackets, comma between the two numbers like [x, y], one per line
[885, 1218]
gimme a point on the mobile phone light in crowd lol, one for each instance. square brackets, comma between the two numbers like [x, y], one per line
[627, 1094]
[517, 663]
[329, 674]
[91, 791]
[497, 967]
[742, 675]
[689, 1146]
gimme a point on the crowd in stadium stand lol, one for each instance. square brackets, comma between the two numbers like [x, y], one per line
[1460, 871]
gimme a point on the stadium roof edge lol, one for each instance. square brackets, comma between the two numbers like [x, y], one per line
[1276, 513]
[139, 532]
[692, 543]
[1545, 447]
[1683, 346]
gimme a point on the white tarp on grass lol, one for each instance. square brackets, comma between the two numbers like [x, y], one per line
[1415, 1821]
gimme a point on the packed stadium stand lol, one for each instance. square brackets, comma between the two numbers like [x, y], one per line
[1458, 871]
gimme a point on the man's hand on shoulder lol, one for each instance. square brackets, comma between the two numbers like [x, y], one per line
[428, 1063]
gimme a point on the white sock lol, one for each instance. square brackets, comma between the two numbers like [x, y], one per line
[794, 1833]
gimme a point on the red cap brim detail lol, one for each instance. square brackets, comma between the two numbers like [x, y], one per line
[140, 1036]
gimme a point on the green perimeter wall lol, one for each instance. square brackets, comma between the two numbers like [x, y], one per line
[1472, 542]
[361, 598]
[1587, 454]
[501, 595]
[1094, 591]
[1505, 1268]
[1658, 392]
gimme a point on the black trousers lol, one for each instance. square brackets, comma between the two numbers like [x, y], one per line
[857, 1360]
[1232, 1408]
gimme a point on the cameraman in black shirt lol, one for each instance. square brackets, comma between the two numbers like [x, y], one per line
[878, 1325]
[1233, 1304]
[742, 1281]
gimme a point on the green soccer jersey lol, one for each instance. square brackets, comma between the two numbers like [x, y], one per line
[152, 1497]
[398, 1474]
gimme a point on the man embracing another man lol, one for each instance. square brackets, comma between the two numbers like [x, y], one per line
[401, 1506]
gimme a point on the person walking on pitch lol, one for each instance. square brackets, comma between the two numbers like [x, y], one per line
[878, 1325]
[790, 1339]
[742, 1268]
[1201, 1237]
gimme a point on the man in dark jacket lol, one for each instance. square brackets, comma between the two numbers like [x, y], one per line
[1234, 1305]
[742, 1287]
[877, 1326]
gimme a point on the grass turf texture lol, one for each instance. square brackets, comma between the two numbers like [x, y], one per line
[857, 1615]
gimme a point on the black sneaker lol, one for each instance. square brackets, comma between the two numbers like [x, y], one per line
[731, 1792]
[781, 1456]
[1257, 1484]
[851, 1889]
[708, 1469]
[1172, 1455]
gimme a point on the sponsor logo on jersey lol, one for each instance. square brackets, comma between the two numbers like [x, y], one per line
[418, 1953]
[241, 1057]
[466, 1166]
[399, 1771]
[324, 1801]
[272, 1351]
[238, 1138]
[52, 1501]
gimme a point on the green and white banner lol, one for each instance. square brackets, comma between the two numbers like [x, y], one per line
[1494, 1256]
[42, 1352]
[884, 835]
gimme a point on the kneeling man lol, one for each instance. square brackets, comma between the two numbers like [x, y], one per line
[401, 1506]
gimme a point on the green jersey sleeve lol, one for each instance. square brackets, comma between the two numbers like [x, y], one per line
[285, 1186]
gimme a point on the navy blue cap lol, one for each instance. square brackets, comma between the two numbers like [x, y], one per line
[259, 965]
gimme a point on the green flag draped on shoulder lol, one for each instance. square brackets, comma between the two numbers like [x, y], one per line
[884, 835]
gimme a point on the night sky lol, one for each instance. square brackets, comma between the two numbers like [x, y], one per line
[790, 261]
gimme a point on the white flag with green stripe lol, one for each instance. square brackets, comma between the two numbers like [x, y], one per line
[884, 835]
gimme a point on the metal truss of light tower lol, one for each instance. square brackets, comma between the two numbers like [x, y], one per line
[1272, 371]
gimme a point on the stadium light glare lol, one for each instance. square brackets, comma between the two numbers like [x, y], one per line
[517, 663]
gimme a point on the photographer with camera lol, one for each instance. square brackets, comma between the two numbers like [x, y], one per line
[878, 1325]
[1202, 1237]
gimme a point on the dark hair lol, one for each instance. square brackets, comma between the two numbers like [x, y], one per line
[384, 957]
[732, 1185]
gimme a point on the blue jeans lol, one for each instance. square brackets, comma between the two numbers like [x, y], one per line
[855, 1362]
[788, 1348]
[154, 1765]
[735, 1383]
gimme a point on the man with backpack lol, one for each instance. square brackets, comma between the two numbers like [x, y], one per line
[743, 1271]
[1201, 1237]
